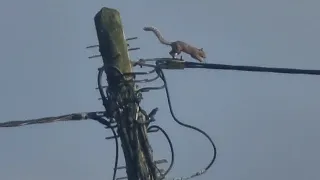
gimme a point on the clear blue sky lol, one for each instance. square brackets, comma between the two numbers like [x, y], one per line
[265, 126]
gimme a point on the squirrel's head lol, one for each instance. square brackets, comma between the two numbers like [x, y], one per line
[202, 53]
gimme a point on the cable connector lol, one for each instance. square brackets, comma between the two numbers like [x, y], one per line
[198, 173]
[172, 64]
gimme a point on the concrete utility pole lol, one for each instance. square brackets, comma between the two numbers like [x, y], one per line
[122, 102]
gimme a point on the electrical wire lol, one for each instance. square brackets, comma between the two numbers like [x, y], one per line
[104, 100]
[117, 153]
[37, 121]
[162, 76]
[68, 117]
[170, 144]
[71, 117]
[108, 125]
[251, 68]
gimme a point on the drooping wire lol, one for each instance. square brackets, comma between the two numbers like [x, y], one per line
[117, 154]
[162, 76]
[157, 128]
[108, 125]
[170, 144]
[158, 66]
[104, 100]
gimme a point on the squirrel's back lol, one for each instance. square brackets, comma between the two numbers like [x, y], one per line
[158, 34]
[178, 46]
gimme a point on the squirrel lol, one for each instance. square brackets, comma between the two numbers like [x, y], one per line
[179, 46]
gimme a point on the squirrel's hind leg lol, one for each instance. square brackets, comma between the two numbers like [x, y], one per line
[173, 54]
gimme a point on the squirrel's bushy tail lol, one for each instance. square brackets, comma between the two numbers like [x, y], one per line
[158, 34]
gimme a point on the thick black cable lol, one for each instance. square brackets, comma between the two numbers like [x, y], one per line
[39, 121]
[251, 68]
[161, 74]
[68, 117]
[117, 153]
[106, 123]
[170, 144]
[104, 101]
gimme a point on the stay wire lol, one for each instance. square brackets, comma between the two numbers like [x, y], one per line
[162, 76]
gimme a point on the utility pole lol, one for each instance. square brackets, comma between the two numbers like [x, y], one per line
[122, 100]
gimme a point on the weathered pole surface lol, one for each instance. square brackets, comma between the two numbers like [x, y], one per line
[114, 52]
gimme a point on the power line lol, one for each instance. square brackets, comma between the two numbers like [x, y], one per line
[68, 117]
[167, 63]
[97, 116]
[252, 68]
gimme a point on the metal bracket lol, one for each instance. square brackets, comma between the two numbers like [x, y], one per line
[133, 49]
[161, 161]
[133, 38]
[111, 137]
[94, 56]
[92, 46]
